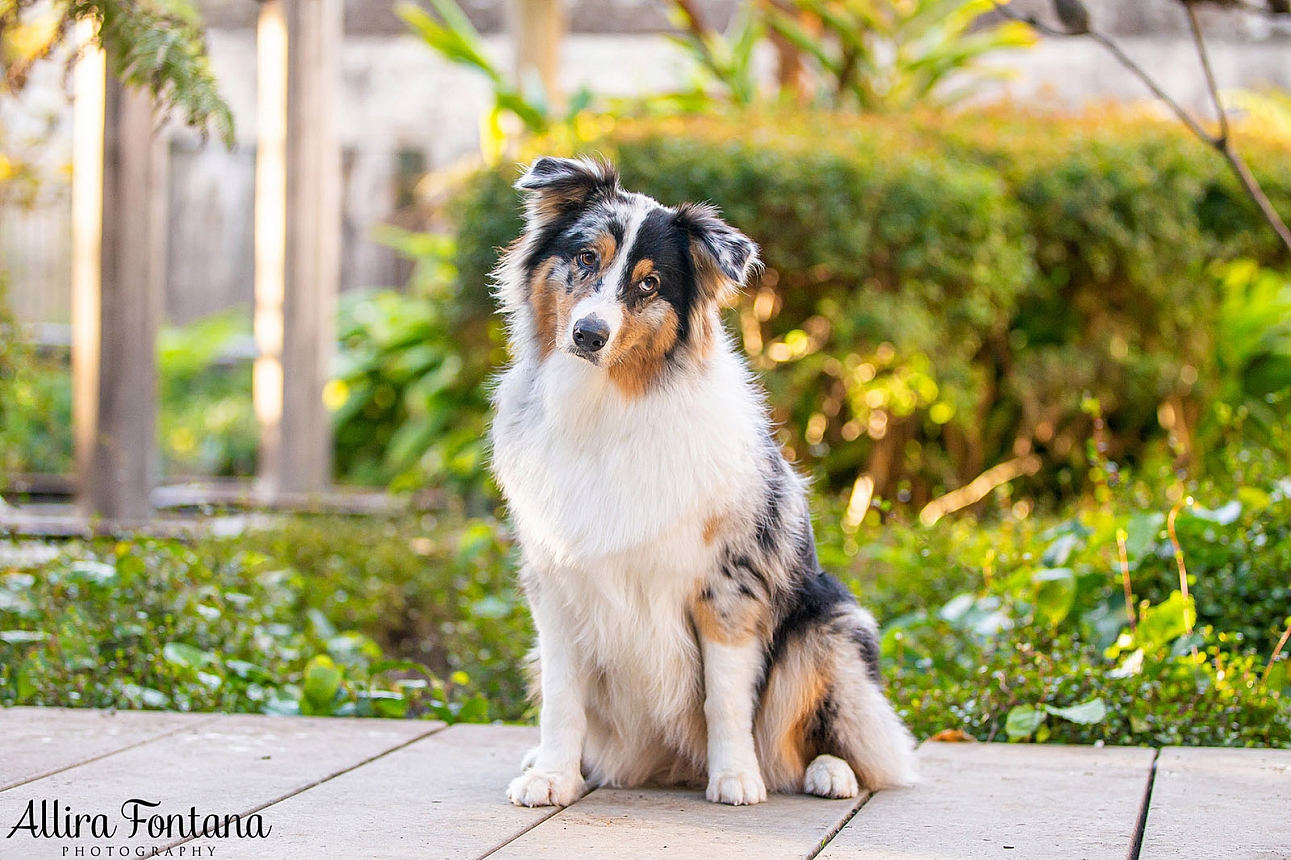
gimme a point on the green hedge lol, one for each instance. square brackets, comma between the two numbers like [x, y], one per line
[961, 287]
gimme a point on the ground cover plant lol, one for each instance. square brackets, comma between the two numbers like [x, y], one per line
[1015, 626]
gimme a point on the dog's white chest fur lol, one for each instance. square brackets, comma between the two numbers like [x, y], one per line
[589, 474]
[610, 496]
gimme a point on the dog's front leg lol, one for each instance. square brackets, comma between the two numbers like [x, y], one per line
[730, 682]
[555, 777]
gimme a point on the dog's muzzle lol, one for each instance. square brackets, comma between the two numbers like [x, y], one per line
[591, 333]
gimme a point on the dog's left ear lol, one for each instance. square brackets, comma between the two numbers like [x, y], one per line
[722, 255]
[553, 186]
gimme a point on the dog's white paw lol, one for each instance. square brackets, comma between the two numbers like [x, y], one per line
[736, 787]
[536, 788]
[828, 776]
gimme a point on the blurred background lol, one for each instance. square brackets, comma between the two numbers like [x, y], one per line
[1027, 329]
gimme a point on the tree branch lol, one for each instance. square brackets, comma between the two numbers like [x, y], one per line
[1222, 142]
[1200, 42]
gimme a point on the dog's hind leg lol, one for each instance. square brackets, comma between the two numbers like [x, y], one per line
[856, 722]
[825, 726]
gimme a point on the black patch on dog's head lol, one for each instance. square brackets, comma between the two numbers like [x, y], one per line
[557, 193]
[664, 242]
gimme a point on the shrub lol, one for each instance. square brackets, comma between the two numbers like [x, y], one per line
[410, 396]
[1019, 629]
[8, 370]
[1014, 627]
[299, 619]
[943, 292]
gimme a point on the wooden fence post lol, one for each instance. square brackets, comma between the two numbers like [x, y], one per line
[297, 241]
[537, 28]
[118, 266]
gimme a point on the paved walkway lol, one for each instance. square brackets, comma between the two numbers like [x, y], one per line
[336, 788]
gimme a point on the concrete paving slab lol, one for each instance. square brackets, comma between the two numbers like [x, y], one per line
[1020, 802]
[1221, 804]
[39, 741]
[231, 766]
[441, 797]
[634, 824]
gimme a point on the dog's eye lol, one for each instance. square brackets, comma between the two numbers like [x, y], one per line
[649, 285]
[586, 258]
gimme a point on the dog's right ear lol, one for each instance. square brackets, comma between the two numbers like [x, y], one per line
[554, 186]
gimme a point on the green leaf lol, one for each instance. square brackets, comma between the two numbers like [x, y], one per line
[1057, 553]
[26, 681]
[1224, 515]
[1086, 713]
[1023, 721]
[388, 704]
[1162, 624]
[18, 637]
[95, 572]
[1141, 535]
[455, 39]
[1055, 593]
[248, 671]
[322, 683]
[474, 710]
[187, 656]
[399, 666]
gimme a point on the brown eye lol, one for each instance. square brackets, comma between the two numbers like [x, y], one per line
[586, 258]
[649, 284]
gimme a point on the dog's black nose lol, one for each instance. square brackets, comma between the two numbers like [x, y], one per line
[591, 333]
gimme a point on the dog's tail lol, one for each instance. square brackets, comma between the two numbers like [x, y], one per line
[824, 696]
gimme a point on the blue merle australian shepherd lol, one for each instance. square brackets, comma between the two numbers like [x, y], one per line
[686, 632]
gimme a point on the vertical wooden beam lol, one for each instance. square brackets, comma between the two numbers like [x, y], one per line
[117, 277]
[297, 241]
[537, 28]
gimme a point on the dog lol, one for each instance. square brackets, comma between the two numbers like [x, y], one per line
[686, 633]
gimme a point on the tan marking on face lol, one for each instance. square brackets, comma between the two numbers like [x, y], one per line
[552, 299]
[711, 527]
[642, 269]
[605, 248]
[640, 348]
[543, 297]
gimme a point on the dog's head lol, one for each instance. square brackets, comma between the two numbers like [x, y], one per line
[615, 278]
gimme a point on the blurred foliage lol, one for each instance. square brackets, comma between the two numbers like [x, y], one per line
[892, 55]
[526, 109]
[1267, 110]
[872, 55]
[1031, 619]
[727, 58]
[155, 45]
[409, 395]
[1010, 627]
[207, 422]
[9, 363]
[299, 619]
[944, 293]
[36, 415]
[35, 403]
